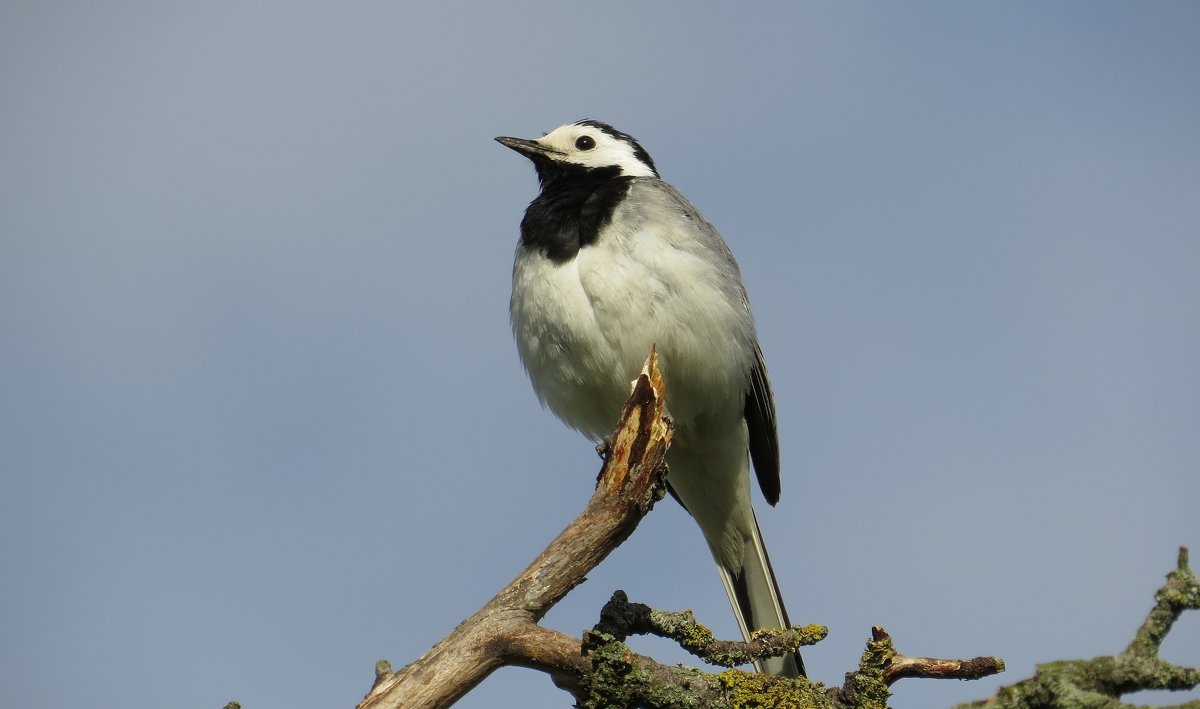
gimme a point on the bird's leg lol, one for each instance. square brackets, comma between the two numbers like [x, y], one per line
[604, 450]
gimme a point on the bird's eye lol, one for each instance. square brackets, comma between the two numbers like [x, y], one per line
[585, 142]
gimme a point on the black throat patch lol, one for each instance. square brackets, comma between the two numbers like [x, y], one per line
[575, 204]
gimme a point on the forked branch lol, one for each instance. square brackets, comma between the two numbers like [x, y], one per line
[1102, 681]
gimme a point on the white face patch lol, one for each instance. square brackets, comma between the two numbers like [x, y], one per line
[591, 147]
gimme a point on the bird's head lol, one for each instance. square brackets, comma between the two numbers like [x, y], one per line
[581, 148]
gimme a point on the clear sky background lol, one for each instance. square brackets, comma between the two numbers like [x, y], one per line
[261, 417]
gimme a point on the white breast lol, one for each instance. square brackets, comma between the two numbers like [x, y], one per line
[657, 274]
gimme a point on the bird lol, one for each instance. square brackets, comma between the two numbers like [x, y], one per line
[612, 259]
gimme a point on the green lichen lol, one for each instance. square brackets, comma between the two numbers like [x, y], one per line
[748, 689]
[1100, 682]
[684, 629]
[383, 668]
[811, 634]
[866, 689]
[618, 681]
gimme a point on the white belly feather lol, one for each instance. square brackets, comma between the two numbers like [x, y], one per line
[584, 326]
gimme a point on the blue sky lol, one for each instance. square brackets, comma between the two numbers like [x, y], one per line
[263, 420]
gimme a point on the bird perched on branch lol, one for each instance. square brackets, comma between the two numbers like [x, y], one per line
[612, 259]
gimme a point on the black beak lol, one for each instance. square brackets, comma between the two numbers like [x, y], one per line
[528, 148]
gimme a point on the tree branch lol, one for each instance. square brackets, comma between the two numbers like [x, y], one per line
[1101, 681]
[620, 678]
[505, 630]
[619, 619]
[600, 670]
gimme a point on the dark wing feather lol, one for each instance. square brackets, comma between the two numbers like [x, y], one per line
[760, 420]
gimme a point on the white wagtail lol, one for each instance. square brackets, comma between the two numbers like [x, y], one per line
[612, 259]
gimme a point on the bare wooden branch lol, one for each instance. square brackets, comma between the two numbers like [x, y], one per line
[903, 666]
[505, 630]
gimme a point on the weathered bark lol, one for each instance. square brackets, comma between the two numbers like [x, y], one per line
[505, 630]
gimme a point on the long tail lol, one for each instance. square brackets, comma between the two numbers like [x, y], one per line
[710, 475]
[757, 603]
